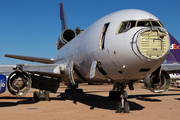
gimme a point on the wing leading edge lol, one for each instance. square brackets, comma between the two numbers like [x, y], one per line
[32, 59]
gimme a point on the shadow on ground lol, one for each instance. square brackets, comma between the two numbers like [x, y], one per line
[97, 101]
[20, 100]
[91, 100]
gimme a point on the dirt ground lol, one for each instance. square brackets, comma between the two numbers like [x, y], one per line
[93, 104]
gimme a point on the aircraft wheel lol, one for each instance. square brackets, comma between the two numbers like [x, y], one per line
[119, 107]
[126, 107]
[36, 97]
[67, 91]
[46, 93]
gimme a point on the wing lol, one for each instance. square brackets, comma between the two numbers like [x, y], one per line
[43, 76]
[51, 70]
[32, 59]
[171, 68]
[7, 68]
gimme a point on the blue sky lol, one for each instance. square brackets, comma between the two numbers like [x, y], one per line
[31, 27]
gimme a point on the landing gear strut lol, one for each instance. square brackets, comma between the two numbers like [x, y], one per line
[119, 93]
[71, 89]
[38, 95]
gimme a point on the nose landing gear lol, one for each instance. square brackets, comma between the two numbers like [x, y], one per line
[120, 94]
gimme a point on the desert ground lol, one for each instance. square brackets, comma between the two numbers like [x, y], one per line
[93, 104]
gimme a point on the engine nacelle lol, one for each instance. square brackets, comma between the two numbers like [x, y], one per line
[158, 83]
[65, 36]
[19, 83]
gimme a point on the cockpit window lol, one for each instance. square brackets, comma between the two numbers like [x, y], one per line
[148, 23]
[127, 25]
[155, 24]
[143, 24]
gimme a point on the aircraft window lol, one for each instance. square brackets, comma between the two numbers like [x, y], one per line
[149, 23]
[125, 26]
[144, 23]
[133, 23]
[156, 24]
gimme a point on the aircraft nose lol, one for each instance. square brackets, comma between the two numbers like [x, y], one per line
[153, 43]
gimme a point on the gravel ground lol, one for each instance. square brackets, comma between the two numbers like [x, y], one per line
[93, 104]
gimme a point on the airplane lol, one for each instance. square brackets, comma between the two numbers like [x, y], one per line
[173, 58]
[2, 83]
[122, 48]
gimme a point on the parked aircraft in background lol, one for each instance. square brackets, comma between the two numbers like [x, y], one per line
[2, 83]
[174, 57]
[174, 53]
[175, 76]
[122, 47]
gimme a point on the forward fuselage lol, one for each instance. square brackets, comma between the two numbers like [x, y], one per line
[125, 54]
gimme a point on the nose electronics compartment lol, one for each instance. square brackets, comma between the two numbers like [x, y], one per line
[153, 43]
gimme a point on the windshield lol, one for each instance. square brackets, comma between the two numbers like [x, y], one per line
[148, 23]
[127, 25]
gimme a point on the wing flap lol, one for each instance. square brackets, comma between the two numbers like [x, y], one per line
[32, 59]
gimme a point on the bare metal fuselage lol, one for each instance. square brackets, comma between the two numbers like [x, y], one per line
[121, 57]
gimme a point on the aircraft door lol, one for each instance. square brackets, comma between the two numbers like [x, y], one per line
[103, 35]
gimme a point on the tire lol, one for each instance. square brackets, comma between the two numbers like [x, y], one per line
[36, 97]
[46, 93]
[126, 107]
[119, 107]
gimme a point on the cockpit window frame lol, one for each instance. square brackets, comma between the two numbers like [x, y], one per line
[125, 26]
[122, 29]
[150, 23]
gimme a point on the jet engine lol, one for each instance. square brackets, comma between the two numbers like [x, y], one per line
[19, 83]
[158, 82]
[65, 36]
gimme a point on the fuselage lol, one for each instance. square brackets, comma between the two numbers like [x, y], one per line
[175, 76]
[128, 45]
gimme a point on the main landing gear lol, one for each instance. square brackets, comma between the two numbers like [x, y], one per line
[71, 89]
[118, 93]
[38, 95]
